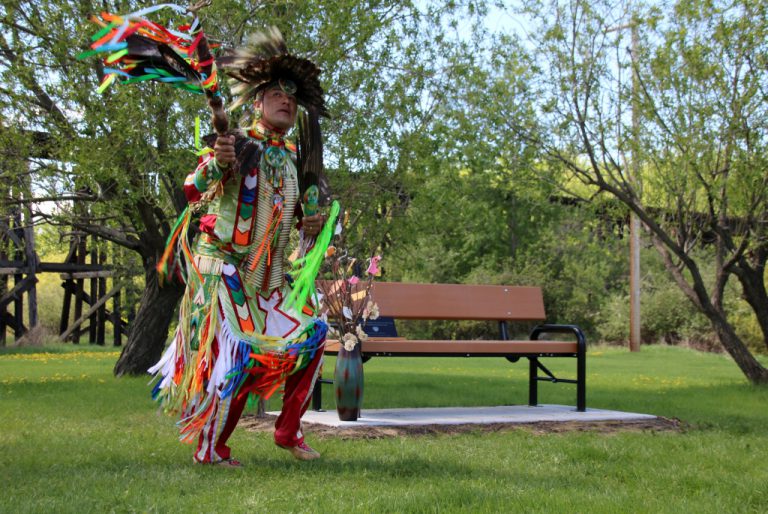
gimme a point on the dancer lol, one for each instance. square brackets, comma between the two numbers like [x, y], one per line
[241, 329]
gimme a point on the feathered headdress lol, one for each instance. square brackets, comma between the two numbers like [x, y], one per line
[265, 60]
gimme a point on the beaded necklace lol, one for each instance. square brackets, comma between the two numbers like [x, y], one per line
[275, 154]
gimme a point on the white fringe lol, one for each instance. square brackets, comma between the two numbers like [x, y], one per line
[228, 347]
[166, 365]
[208, 265]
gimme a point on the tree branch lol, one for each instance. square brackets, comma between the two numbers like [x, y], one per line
[110, 234]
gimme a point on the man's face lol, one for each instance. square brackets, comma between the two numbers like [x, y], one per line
[278, 108]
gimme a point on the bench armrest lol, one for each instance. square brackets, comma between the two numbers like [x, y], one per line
[581, 340]
[581, 363]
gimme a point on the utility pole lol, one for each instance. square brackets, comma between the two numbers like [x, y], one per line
[634, 221]
[633, 178]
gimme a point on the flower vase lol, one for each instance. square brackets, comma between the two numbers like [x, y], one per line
[348, 383]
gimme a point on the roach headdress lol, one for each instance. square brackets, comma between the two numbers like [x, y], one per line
[265, 60]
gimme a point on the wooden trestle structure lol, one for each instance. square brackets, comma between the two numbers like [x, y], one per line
[84, 275]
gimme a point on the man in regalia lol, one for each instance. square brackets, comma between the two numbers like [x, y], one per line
[239, 335]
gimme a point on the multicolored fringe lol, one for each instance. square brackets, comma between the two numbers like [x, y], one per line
[177, 245]
[305, 269]
[271, 368]
[195, 378]
[140, 50]
[264, 248]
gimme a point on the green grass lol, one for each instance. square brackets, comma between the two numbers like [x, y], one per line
[75, 439]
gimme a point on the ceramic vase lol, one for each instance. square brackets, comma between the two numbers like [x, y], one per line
[348, 383]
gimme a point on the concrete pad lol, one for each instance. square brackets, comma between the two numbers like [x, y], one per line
[469, 415]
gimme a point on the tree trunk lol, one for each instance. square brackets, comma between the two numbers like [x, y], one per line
[753, 289]
[736, 348]
[149, 331]
[697, 293]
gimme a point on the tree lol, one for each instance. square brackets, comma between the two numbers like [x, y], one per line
[112, 162]
[699, 150]
[117, 162]
[477, 211]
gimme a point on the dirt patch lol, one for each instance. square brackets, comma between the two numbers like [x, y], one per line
[267, 424]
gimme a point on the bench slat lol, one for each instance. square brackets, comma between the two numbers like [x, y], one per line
[405, 347]
[459, 301]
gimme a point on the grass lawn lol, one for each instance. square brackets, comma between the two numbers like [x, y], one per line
[75, 439]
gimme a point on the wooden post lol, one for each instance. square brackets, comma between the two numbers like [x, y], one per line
[18, 310]
[634, 181]
[80, 283]
[66, 305]
[18, 303]
[117, 322]
[75, 326]
[31, 258]
[3, 286]
[93, 322]
[634, 283]
[68, 286]
[101, 314]
[634, 221]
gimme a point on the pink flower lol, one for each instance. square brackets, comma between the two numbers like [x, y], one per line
[373, 267]
[353, 280]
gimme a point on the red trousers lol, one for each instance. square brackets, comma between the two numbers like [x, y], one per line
[212, 444]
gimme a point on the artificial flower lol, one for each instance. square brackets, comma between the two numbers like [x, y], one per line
[371, 311]
[349, 341]
[373, 266]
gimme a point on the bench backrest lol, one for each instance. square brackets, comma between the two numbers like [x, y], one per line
[458, 301]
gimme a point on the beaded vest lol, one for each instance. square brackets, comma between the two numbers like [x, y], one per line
[278, 192]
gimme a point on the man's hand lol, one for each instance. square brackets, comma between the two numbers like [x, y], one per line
[224, 151]
[313, 224]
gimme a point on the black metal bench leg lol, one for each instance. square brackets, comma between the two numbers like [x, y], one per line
[581, 361]
[581, 379]
[317, 396]
[533, 381]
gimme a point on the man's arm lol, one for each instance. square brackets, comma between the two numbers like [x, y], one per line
[210, 168]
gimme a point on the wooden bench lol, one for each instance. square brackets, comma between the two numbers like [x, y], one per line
[474, 302]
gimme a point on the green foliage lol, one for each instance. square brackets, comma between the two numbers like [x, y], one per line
[743, 319]
[385, 64]
[76, 439]
[466, 227]
[674, 129]
[50, 298]
[667, 316]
